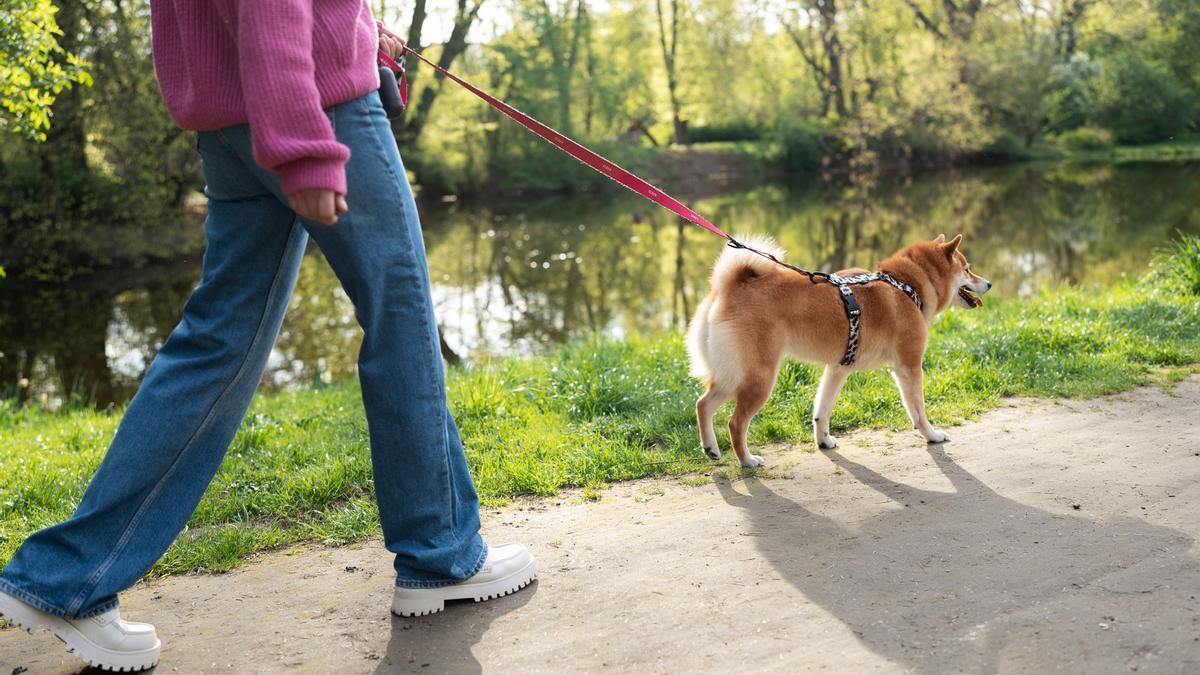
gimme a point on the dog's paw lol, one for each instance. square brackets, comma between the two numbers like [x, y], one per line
[827, 443]
[712, 453]
[937, 436]
[752, 461]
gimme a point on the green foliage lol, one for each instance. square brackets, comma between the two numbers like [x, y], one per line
[1141, 100]
[1007, 145]
[1177, 268]
[993, 83]
[34, 69]
[1070, 100]
[1085, 139]
[108, 185]
[801, 146]
[741, 130]
[596, 412]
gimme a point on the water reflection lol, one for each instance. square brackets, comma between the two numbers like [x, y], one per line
[517, 276]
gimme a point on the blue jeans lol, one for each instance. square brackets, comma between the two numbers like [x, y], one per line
[196, 392]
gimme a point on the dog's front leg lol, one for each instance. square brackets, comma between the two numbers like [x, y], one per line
[827, 393]
[910, 379]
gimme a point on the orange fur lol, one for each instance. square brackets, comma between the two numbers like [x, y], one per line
[757, 312]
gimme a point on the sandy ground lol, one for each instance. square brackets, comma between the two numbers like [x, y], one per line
[1045, 537]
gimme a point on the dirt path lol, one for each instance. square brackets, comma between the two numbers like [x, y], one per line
[1044, 537]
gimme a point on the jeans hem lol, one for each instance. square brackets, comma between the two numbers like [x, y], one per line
[49, 608]
[442, 583]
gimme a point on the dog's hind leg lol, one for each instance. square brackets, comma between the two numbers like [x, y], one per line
[751, 396]
[910, 380]
[827, 393]
[706, 407]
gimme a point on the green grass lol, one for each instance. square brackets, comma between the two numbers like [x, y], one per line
[1181, 149]
[596, 412]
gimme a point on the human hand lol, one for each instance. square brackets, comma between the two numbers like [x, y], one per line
[318, 204]
[391, 45]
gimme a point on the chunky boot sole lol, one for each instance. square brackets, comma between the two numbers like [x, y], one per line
[21, 615]
[423, 601]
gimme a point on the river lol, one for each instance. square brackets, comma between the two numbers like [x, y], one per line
[522, 274]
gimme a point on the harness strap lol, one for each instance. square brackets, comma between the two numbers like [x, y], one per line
[854, 310]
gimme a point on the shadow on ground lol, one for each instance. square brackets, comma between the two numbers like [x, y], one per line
[444, 642]
[972, 581]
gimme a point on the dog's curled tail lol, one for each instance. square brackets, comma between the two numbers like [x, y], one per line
[733, 266]
[697, 343]
[738, 264]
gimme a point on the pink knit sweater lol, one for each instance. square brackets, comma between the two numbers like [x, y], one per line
[274, 64]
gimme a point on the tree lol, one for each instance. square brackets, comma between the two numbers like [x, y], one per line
[821, 27]
[413, 123]
[34, 68]
[562, 33]
[669, 41]
[1070, 14]
[956, 21]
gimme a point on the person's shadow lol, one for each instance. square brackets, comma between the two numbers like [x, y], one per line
[442, 643]
[972, 581]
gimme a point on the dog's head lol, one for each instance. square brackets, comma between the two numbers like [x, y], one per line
[959, 279]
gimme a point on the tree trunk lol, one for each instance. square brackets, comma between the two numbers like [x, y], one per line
[454, 47]
[1072, 14]
[833, 54]
[806, 44]
[564, 56]
[669, 48]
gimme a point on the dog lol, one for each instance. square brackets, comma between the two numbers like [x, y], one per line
[758, 311]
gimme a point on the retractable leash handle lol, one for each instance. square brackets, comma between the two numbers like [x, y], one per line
[389, 93]
[393, 86]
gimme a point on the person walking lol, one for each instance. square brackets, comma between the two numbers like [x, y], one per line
[295, 144]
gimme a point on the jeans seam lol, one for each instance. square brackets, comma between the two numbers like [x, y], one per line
[434, 350]
[123, 541]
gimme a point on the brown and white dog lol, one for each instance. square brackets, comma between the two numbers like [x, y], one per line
[757, 312]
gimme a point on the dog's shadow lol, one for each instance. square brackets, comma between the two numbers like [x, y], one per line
[970, 580]
[443, 642]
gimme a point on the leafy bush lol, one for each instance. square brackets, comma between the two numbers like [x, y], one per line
[1084, 139]
[801, 146]
[1141, 101]
[1007, 145]
[733, 131]
[1072, 93]
[1178, 266]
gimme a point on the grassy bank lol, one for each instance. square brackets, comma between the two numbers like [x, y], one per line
[596, 412]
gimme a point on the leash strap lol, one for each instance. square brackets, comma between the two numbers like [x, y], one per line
[626, 179]
[594, 160]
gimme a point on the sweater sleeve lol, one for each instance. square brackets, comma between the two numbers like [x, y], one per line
[291, 134]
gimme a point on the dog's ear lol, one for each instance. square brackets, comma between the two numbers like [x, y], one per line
[941, 239]
[949, 247]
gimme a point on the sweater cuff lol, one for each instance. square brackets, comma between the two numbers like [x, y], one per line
[314, 173]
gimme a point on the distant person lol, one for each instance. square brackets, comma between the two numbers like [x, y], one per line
[294, 144]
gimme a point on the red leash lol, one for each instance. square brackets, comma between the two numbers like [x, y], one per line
[588, 157]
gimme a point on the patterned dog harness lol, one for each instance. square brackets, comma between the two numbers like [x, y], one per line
[854, 312]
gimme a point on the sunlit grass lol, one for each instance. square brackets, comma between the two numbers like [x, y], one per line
[589, 414]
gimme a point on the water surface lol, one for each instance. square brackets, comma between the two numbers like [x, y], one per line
[519, 275]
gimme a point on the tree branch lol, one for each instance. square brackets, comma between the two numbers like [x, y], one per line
[925, 20]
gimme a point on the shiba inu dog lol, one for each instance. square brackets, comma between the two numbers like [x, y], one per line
[757, 312]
